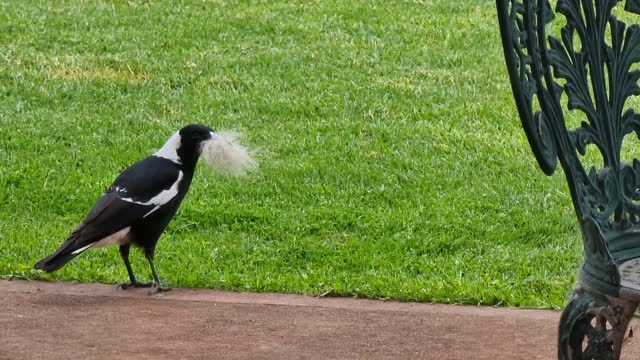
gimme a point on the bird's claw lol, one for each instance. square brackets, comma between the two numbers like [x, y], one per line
[134, 284]
[158, 289]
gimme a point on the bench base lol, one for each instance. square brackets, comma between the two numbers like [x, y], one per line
[593, 325]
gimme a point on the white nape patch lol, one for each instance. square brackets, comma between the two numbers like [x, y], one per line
[170, 149]
[119, 238]
[223, 152]
[162, 198]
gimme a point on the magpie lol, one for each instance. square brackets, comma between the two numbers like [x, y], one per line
[139, 205]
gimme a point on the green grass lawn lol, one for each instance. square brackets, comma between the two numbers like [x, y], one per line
[392, 162]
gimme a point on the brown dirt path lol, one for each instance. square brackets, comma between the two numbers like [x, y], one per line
[45, 320]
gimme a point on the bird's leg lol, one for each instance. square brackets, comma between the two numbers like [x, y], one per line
[157, 286]
[124, 253]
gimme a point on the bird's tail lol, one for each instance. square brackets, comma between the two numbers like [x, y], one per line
[54, 261]
[60, 257]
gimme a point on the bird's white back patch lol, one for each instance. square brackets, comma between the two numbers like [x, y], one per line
[162, 198]
[119, 238]
[170, 149]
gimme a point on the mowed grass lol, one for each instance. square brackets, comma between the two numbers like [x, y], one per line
[392, 163]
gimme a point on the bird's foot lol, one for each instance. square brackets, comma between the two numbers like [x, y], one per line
[134, 284]
[158, 289]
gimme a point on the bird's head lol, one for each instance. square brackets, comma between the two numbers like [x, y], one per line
[221, 151]
[185, 146]
[192, 138]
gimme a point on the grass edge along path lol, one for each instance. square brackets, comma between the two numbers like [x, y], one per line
[392, 163]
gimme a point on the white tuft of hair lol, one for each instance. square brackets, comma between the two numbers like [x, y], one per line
[224, 153]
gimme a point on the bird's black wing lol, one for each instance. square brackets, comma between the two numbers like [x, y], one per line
[141, 188]
[139, 191]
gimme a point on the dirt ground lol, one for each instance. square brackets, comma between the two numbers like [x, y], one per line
[45, 320]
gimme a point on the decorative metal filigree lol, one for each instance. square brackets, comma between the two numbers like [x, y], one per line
[589, 67]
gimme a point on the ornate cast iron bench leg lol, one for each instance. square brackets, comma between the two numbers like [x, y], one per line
[593, 326]
[589, 66]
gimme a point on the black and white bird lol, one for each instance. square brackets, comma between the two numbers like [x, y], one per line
[143, 199]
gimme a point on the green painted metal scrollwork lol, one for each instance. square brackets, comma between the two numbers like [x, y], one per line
[588, 67]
